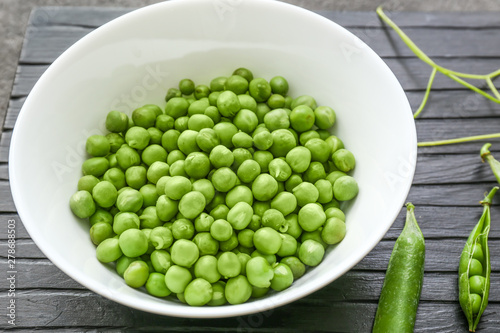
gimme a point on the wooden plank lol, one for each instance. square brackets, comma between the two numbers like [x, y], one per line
[94, 17]
[21, 232]
[5, 137]
[45, 44]
[412, 73]
[15, 105]
[451, 169]
[7, 203]
[53, 309]
[435, 129]
[444, 222]
[4, 171]
[458, 195]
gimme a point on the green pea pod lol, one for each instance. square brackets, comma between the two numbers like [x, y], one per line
[494, 164]
[398, 303]
[475, 266]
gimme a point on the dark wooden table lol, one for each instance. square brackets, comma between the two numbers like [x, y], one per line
[449, 182]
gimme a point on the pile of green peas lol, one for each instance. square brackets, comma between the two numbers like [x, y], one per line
[231, 190]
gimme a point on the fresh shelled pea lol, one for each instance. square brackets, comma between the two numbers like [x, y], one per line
[227, 191]
[474, 268]
[398, 303]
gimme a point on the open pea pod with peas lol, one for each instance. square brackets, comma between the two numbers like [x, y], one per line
[474, 269]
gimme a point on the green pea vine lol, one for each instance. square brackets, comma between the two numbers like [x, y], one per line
[456, 76]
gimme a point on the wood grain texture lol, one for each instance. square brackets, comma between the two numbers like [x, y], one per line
[45, 44]
[21, 232]
[4, 171]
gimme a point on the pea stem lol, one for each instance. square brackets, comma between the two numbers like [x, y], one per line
[445, 71]
[489, 198]
[458, 140]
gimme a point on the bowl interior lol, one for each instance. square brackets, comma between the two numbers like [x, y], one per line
[134, 59]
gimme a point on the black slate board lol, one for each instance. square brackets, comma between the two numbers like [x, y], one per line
[448, 183]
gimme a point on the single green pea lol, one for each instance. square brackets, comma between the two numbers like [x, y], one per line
[154, 153]
[344, 160]
[288, 246]
[276, 101]
[161, 238]
[219, 199]
[315, 172]
[87, 183]
[259, 292]
[475, 268]
[238, 290]
[273, 218]
[218, 83]
[283, 142]
[292, 182]
[267, 240]
[157, 170]
[283, 277]
[270, 258]
[477, 284]
[259, 89]
[155, 285]
[334, 231]
[125, 220]
[229, 265]
[115, 141]
[108, 250]
[183, 229]
[161, 261]
[242, 140]
[122, 264]
[198, 292]
[245, 237]
[264, 187]
[163, 123]
[101, 215]
[184, 253]
[198, 107]
[113, 163]
[334, 143]
[203, 222]
[186, 86]
[177, 278]
[201, 91]
[136, 176]
[155, 135]
[192, 204]
[304, 100]
[197, 165]
[207, 139]
[220, 212]
[294, 228]
[325, 117]
[133, 242]
[116, 121]
[302, 118]
[248, 171]
[104, 194]
[228, 103]
[82, 204]
[166, 208]
[311, 252]
[237, 194]
[207, 245]
[116, 177]
[296, 266]
[127, 157]
[334, 175]
[97, 146]
[477, 252]
[247, 102]
[206, 268]
[262, 110]
[224, 179]
[311, 217]
[284, 202]
[240, 155]
[335, 212]
[169, 140]
[212, 110]
[308, 135]
[187, 142]
[177, 186]
[299, 159]
[221, 156]
[174, 156]
[240, 215]
[137, 137]
[95, 166]
[259, 272]
[100, 231]
[244, 72]
[475, 301]
[279, 169]
[221, 230]
[263, 158]
[218, 294]
[176, 107]
[177, 169]
[279, 85]
[137, 273]
[277, 119]
[345, 188]
[263, 140]
[236, 84]
[320, 151]
[205, 187]
[305, 193]
[325, 190]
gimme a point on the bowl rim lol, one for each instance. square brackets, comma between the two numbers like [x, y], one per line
[184, 310]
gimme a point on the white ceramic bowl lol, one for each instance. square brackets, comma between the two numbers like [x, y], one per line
[134, 59]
